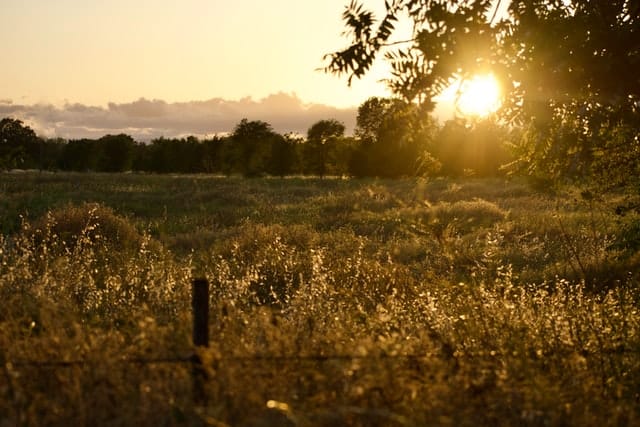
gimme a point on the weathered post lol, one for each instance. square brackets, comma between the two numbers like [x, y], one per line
[200, 305]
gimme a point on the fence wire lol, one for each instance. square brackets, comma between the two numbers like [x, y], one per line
[259, 358]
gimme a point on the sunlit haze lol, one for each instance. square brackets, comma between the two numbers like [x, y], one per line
[95, 52]
[478, 96]
[76, 68]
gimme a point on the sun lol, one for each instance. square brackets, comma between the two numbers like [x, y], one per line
[478, 96]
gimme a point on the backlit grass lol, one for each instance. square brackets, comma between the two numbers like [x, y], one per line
[471, 302]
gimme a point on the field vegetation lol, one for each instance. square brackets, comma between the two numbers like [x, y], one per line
[334, 302]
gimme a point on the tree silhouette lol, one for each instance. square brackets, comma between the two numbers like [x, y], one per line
[394, 136]
[80, 155]
[251, 148]
[464, 147]
[212, 154]
[322, 140]
[19, 145]
[116, 153]
[282, 157]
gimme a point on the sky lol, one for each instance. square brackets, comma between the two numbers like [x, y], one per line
[76, 68]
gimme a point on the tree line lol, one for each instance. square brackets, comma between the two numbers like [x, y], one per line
[392, 139]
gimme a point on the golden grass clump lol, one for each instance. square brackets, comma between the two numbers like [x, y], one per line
[92, 221]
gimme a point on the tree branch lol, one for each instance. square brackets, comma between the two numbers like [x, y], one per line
[398, 42]
[495, 12]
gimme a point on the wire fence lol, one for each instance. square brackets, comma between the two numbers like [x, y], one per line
[200, 306]
[311, 358]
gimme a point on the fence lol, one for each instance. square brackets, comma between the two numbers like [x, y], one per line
[200, 307]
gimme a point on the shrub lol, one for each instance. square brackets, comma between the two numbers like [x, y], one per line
[92, 221]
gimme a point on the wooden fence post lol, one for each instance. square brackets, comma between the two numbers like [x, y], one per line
[200, 305]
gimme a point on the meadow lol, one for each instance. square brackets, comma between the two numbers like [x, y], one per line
[335, 302]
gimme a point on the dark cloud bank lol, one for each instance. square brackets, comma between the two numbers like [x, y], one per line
[144, 119]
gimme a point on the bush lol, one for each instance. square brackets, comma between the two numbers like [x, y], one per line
[91, 221]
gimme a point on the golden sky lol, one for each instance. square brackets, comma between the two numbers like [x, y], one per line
[84, 68]
[93, 52]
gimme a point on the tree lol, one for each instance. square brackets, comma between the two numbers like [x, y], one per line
[323, 130]
[464, 147]
[51, 153]
[282, 157]
[252, 142]
[212, 154]
[371, 116]
[394, 136]
[570, 69]
[161, 155]
[322, 140]
[80, 155]
[116, 153]
[142, 157]
[19, 145]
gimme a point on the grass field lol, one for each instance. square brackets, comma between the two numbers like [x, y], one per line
[335, 302]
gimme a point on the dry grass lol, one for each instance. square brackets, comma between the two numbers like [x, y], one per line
[393, 303]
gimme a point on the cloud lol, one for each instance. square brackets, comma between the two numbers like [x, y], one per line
[147, 119]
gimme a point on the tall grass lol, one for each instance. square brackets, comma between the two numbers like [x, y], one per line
[334, 302]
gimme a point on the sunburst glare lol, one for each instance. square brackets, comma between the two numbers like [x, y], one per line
[478, 96]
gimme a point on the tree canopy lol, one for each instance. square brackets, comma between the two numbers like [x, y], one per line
[18, 144]
[570, 69]
[321, 145]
